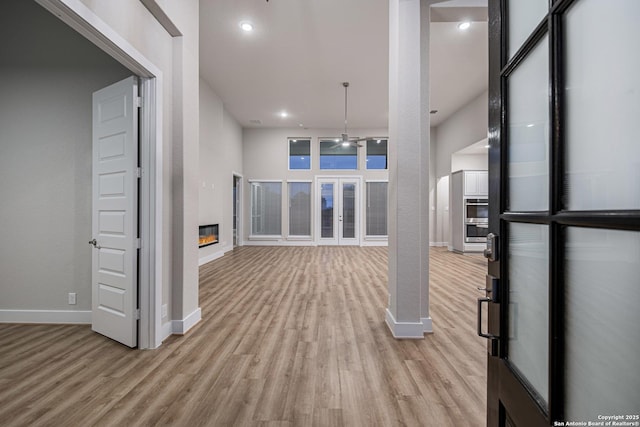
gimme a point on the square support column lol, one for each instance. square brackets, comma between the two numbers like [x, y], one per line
[408, 312]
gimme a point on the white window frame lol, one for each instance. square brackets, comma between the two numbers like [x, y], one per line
[365, 202]
[264, 236]
[311, 215]
[337, 141]
[306, 138]
[366, 152]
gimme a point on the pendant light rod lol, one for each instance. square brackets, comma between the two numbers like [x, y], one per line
[346, 85]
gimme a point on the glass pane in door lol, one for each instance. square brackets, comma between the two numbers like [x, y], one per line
[529, 304]
[602, 293]
[528, 132]
[326, 213]
[348, 210]
[524, 16]
[603, 105]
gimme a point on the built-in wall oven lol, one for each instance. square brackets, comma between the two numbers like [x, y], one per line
[476, 219]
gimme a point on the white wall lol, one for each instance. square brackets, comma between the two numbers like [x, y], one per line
[220, 158]
[465, 127]
[266, 157]
[469, 162]
[47, 75]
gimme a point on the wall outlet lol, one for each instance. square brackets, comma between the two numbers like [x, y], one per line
[164, 310]
[72, 298]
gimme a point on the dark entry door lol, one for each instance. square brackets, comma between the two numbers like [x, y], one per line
[563, 284]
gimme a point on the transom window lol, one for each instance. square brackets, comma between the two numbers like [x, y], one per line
[299, 154]
[335, 155]
[377, 154]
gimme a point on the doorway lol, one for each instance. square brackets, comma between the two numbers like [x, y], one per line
[338, 211]
[236, 202]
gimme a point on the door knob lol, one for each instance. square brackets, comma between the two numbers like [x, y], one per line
[95, 244]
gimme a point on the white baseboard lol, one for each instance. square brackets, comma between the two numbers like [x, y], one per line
[427, 325]
[374, 243]
[279, 243]
[167, 330]
[400, 330]
[439, 244]
[181, 327]
[46, 316]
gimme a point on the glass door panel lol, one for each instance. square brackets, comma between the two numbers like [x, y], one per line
[348, 210]
[339, 216]
[528, 345]
[524, 16]
[603, 153]
[602, 293]
[528, 132]
[326, 210]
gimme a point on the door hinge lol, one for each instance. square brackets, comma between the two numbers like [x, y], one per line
[137, 314]
[139, 172]
[138, 102]
[138, 243]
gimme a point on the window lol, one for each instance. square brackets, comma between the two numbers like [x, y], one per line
[377, 208]
[300, 209]
[266, 208]
[333, 155]
[377, 154]
[299, 154]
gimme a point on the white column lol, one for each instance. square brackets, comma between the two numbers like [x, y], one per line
[408, 311]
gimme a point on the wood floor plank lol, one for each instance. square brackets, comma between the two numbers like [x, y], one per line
[290, 336]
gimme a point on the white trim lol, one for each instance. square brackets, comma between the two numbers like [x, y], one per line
[82, 19]
[439, 244]
[166, 330]
[161, 17]
[240, 206]
[265, 180]
[299, 238]
[310, 139]
[46, 316]
[306, 181]
[213, 256]
[428, 325]
[181, 327]
[374, 243]
[376, 180]
[266, 237]
[404, 330]
[280, 243]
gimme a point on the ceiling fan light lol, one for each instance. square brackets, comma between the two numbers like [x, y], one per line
[346, 143]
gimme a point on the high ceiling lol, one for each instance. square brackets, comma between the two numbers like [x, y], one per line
[301, 50]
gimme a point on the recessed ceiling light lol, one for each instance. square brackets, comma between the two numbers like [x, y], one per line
[464, 25]
[284, 114]
[530, 125]
[246, 26]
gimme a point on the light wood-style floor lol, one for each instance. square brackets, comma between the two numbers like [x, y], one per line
[289, 337]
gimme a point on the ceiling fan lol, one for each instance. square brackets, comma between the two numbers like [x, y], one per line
[346, 141]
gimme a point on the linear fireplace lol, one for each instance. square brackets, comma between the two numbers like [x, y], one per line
[208, 235]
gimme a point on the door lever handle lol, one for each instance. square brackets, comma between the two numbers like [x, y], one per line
[95, 244]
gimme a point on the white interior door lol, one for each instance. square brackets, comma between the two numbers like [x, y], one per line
[339, 211]
[115, 212]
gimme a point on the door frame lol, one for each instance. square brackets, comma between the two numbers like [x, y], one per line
[79, 17]
[358, 203]
[239, 215]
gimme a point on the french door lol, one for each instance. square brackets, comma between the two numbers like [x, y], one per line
[563, 283]
[338, 211]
